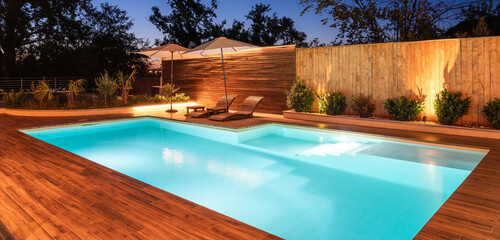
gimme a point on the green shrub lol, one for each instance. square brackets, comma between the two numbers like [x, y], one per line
[139, 99]
[300, 97]
[60, 100]
[403, 109]
[180, 97]
[331, 103]
[159, 98]
[363, 105]
[492, 112]
[450, 106]
[15, 100]
[86, 100]
[168, 90]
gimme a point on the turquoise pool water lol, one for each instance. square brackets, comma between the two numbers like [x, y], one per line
[293, 182]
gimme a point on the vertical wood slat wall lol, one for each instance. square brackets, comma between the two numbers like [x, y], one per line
[390, 70]
[266, 72]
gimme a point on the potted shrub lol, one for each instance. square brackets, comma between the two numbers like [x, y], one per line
[300, 97]
[450, 106]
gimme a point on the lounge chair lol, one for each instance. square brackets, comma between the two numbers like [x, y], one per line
[246, 110]
[220, 107]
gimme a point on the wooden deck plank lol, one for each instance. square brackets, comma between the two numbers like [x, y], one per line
[48, 192]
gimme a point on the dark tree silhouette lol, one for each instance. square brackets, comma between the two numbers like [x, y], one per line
[371, 21]
[268, 29]
[189, 24]
[65, 38]
[482, 19]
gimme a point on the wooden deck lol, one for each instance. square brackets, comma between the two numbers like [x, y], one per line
[47, 192]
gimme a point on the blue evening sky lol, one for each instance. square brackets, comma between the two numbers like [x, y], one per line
[310, 23]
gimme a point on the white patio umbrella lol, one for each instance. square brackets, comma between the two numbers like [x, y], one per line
[169, 51]
[221, 45]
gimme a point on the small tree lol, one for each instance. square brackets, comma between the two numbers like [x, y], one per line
[106, 85]
[125, 83]
[299, 97]
[74, 88]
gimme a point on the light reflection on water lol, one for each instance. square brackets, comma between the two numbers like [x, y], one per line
[234, 173]
[172, 156]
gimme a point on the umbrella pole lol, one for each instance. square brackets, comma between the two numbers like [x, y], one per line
[161, 75]
[224, 75]
[171, 110]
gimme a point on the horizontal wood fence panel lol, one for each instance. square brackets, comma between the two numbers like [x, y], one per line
[266, 72]
[391, 70]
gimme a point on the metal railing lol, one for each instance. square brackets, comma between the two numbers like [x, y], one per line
[55, 83]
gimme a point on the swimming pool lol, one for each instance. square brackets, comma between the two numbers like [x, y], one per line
[294, 182]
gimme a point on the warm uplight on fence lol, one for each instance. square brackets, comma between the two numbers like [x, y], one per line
[164, 106]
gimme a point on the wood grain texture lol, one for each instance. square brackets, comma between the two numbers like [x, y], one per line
[392, 70]
[49, 193]
[266, 72]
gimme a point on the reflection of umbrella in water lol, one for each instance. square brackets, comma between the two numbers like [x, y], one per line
[219, 45]
[169, 51]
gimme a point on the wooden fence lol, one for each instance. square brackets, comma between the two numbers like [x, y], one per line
[391, 70]
[266, 72]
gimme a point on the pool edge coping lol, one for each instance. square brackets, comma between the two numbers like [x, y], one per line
[462, 147]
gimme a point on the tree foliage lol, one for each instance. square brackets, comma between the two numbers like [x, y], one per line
[192, 23]
[478, 20]
[189, 24]
[371, 21]
[268, 29]
[65, 38]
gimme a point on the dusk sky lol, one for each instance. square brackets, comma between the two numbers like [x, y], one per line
[310, 23]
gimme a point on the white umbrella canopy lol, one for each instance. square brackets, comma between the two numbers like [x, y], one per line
[221, 45]
[168, 51]
[171, 52]
[215, 46]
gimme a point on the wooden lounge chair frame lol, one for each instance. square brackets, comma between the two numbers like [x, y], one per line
[220, 107]
[246, 110]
